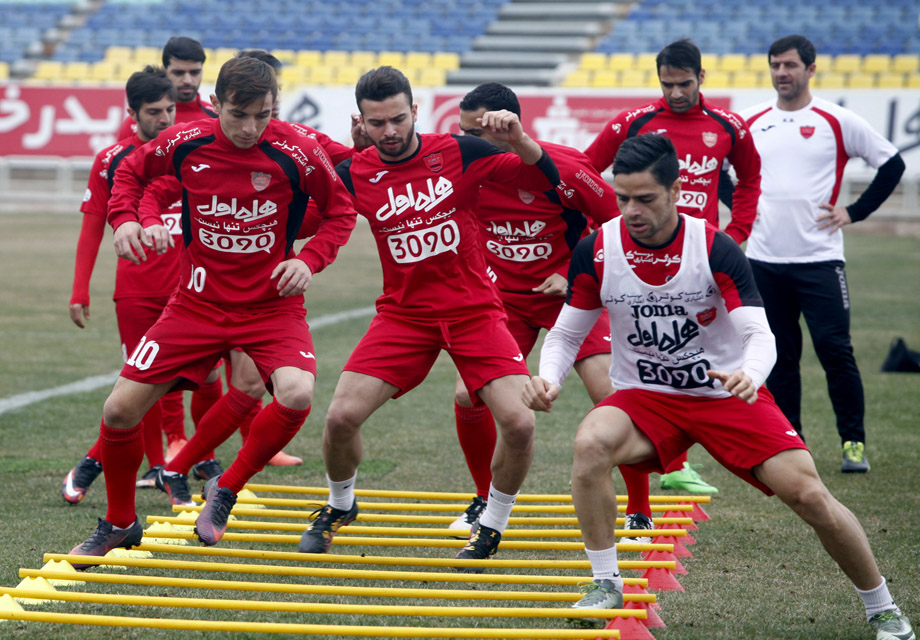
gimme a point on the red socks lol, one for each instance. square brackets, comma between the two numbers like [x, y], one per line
[204, 397]
[173, 416]
[244, 428]
[153, 435]
[272, 429]
[122, 454]
[637, 489]
[215, 427]
[477, 435]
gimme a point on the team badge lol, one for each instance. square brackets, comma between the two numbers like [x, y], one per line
[435, 161]
[706, 317]
[710, 139]
[525, 196]
[807, 132]
[260, 180]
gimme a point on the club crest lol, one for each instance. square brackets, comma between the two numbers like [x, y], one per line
[434, 162]
[706, 316]
[260, 180]
[710, 139]
[807, 132]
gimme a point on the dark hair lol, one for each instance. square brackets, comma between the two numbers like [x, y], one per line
[493, 96]
[648, 152]
[682, 54]
[183, 48]
[263, 55]
[148, 85]
[381, 83]
[801, 44]
[245, 80]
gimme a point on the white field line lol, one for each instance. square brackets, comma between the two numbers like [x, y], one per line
[108, 379]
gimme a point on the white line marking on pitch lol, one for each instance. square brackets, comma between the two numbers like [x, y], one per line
[94, 382]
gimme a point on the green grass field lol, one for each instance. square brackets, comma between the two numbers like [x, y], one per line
[757, 571]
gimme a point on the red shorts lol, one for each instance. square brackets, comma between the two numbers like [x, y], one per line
[402, 352]
[192, 336]
[135, 316]
[740, 436]
[528, 313]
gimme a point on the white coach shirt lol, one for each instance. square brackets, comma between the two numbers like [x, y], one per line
[803, 154]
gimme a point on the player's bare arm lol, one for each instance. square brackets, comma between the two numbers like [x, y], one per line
[833, 218]
[294, 277]
[539, 394]
[130, 240]
[79, 314]
[506, 126]
[738, 383]
[161, 237]
[555, 285]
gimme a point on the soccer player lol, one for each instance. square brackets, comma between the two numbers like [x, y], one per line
[705, 137]
[529, 237]
[141, 291]
[691, 349]
[183, 59]
[419, 195]
[796, 245]
[246, 182]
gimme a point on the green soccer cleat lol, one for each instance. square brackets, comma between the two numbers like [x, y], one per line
[854, 458]
[687, 479]
[599, 594]
[891, 625]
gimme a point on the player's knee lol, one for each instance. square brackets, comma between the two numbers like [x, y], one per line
[589, 454]
[462, 397]
[341, 423]
[120, 415]
[253, 387]
[517, 431]
[811, 500]
[297, 397]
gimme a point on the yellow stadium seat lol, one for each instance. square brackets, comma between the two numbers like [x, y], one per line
[906, 62]
[76, 71]
[830, 80]
[913, 81]
[709, 61]
[823, 62]
[335, 59]
[431, 77]
[347, 76]
[743, 79]
[876, 63]
[4, 70]
[593, 61]
[321, 76]
[621, 61]
[717, 80]
[364, 60]
[119, 55]
[418, 60]
[846, 63]
[309, 58]
[210, 72]
[446, 60]
[293, 76]
[633, 78]
[604, 79]
[286, 56]
[646, 62]
[889, 80]
[758, 62]
[49, 70]
[858, 80]
[578, 78]
[729, 62]
[393, 59]
[103, 72]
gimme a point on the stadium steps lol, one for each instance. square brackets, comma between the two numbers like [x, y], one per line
[534, 42]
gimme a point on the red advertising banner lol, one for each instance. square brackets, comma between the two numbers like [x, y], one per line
[59, 121]
[570, 118]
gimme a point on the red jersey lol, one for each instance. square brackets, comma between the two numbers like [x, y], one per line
[185, 112]
[422, 212]
[155, 277]
[241, 208]
[704, 137]
[529, 235]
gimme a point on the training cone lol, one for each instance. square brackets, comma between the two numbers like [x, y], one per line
[698, 514]
[630, 629]
[652, 620]
[680, 551]
[8, 603]
[665, 556]
[680, 514]
[247, 494]
[662, 580]
[685, 539]
[62, 565]
[34, 584]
